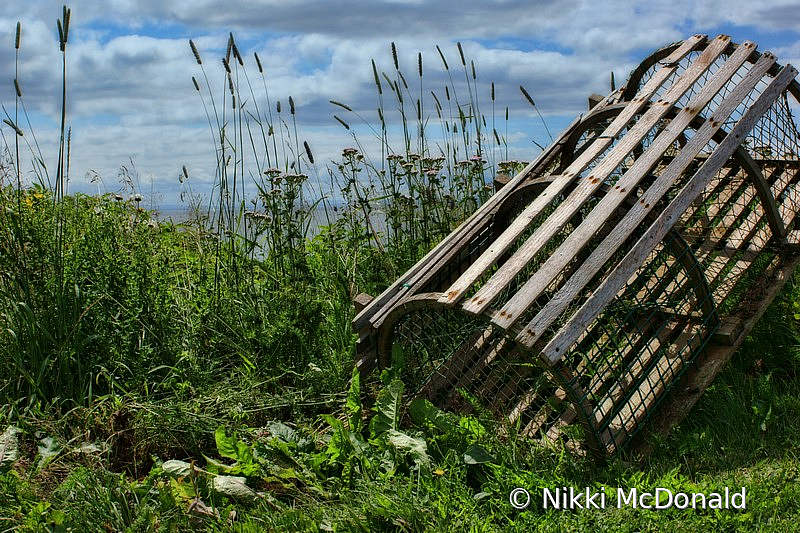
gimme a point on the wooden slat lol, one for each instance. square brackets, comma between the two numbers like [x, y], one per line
[751, 243]
[683, 396]
[642, 401]
[539, 281]
[614, 282]
[541, 417]
[709, 204]
[410, 282]
[586, 187]
[608, 407]
[528, 399]
[526, 218]
[457, 364]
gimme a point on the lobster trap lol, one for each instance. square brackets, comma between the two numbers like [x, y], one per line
[601, 289]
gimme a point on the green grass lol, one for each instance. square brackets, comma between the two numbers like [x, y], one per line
[175, 377]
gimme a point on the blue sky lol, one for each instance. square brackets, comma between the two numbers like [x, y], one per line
[132, 102]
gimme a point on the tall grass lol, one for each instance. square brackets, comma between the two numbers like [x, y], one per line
[435, 162]
[99, 299]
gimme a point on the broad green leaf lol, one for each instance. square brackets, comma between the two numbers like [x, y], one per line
[233, 487]
[176, 469]
[387, 407]
[226, 446]
[48, 449]
[232, 448]
[415, 447]
[424, 412]
[360, 447]
[398, 357]
[182, 490]
[474, 429]
[9, 447]
[216, 467]
[476, 455]
[283, 432]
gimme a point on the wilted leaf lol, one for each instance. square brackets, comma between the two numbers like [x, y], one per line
[283, 432]
[9, 447]
[90, 448]
[48, 449]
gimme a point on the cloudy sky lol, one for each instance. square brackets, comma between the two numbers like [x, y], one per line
[132, 103]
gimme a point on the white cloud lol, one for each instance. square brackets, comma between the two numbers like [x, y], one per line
[130, 67]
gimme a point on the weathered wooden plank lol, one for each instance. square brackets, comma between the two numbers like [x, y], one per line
[501, 245]
[400, 287]
[542, 416]
[768, 203]
[749, 243]
[586, 187]
[533, 331]
[673, 333]
[683, 396]
[554, 264]
[456, 365]
[651, 390]
[528, 399]
[497, 385]
[614, 282]
[422, 271]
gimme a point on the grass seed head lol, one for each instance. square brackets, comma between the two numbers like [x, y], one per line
[195, 52]
[527, 96]
[342, 122]
[441, 55]
[377, 78]
[308, 152]
[343, 106]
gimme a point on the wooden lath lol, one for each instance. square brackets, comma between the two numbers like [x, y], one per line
[643, 238]
[614, 282]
